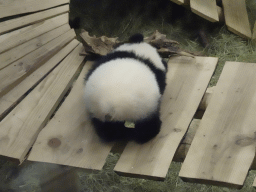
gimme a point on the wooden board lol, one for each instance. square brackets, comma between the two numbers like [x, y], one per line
[187, 80]
[236, 17]
[206, 9]
[16, 53]
[11, 75]
[79, 145]
[9, 100]
[22, 125]
[12, 7]
[179, 2]
[15, 38]
[224, 145]
[9, 25]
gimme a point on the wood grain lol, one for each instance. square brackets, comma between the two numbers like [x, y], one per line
[236, 17]
[12, 98]
[224, 145]
[16, 53]
[187, 80]
[11, 7]
[13, 74]
[12, 24]
[15, 38]
[20, 128]
[79, 144]
[206, 9]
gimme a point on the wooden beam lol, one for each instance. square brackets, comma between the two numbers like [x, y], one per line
[79, 145]
[12, 24]
[20, 128]
[13, 74]
[10, 7]
[16, 53]
[12, 98]
[15, 38]
[206, 9]
[236, 17]
[224, 145]
[187, 80]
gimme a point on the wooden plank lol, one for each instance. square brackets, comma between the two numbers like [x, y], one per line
[13, 74]
[15, 38]
[224, 145]
[187, 80]
[9, 100]
[9, 25]
[20, 128]
[236, 17]
[11, 7]
[206, 9]
[254, 183]
[179, 2]
[79, 145]
[16, 53]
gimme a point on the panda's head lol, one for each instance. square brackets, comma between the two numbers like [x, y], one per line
[143, 50]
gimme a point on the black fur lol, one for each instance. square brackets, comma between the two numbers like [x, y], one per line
[159, 74]
[136, 38]
[74, 23]
[144, 130]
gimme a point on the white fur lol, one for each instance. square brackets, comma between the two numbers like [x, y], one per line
[122, 89]
[145, 51]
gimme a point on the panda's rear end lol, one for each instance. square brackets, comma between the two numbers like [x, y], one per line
[125, 86]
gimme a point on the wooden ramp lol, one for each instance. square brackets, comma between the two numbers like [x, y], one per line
[233, 12]
[224, 145]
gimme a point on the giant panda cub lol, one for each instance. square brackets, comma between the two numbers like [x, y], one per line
[126, 85]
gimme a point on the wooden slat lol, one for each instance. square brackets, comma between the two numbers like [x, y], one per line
[16, 53]
[187, 80]
[15, 38]
[206, 9]
[9, 100]
[179, 2]
[236, 17]
[15, 72]
[11, 7]
[9, 25]
[224, 145]
[79, 145]
[20, 128]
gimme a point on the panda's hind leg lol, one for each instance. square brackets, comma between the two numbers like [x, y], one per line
[147, 129]
[110, 131]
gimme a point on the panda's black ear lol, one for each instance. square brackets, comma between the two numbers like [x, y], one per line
[136, 38]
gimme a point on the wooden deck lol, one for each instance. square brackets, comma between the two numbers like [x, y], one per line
[42, 111]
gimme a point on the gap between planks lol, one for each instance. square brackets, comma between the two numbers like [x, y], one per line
[187, 80]
[11, 7]
[18, 37]
[20, 128]
[17, 23]
[223, 148]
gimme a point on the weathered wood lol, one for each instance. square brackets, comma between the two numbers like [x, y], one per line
[236, 17]
[16, 53]
[181, 2]
[206, 9]
[11, 75]
[9, 25]
[206, 99]
[187, 80]
[79, 145]
[9, 100]
[224, 145]
[15, 38]
[22, 125]
[11, 7]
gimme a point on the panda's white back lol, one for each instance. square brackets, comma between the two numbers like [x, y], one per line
[122, 89]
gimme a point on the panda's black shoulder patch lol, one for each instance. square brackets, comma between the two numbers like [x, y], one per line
[136, 38]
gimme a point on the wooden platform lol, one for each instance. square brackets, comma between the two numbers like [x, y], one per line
[232, 12]
[42, 111]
